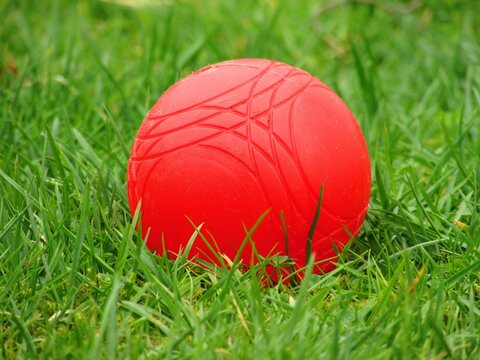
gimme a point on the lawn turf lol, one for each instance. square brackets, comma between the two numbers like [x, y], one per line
[76, 79]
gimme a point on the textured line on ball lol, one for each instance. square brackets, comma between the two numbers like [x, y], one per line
[213, 97]
[204, 106]
[159, 135]
[269, 129]
[252, 146]
[213, 147]
[147, 150]
[222, 110]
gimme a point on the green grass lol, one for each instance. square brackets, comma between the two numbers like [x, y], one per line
[75, 281]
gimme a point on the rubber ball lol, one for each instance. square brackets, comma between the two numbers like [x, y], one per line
[244, 138]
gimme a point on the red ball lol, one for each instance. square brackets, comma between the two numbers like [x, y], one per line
[236, 139]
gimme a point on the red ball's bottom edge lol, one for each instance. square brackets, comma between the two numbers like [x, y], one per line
[271, 270]
[277, 266]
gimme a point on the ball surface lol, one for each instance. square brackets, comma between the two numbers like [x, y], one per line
[241, 137]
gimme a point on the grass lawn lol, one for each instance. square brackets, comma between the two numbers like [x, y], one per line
[77, 78]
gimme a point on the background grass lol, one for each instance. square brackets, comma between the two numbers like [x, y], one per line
[76, 80]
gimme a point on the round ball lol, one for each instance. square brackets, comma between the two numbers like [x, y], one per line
[242, 138]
